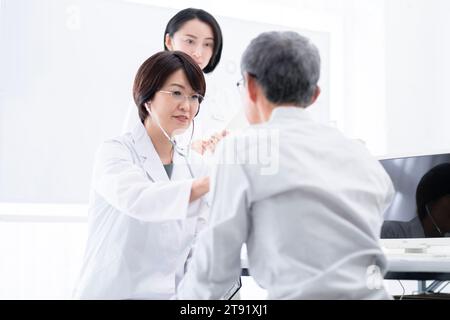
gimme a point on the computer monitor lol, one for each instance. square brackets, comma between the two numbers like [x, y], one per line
[406, 172]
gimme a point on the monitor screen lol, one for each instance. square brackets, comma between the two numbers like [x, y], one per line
[418, 212]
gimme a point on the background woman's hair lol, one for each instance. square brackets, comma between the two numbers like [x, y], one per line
[432, 186]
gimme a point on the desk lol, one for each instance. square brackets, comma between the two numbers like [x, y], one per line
[418, 255]
[418, 259]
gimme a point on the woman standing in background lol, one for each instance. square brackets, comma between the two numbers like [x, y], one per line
[198, 34]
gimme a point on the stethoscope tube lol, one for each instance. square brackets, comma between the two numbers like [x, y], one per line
[180, 151]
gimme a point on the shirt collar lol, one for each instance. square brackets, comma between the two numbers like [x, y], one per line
[289, 112]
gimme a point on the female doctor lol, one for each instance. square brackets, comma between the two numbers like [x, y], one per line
[198, 34]
[146, 203]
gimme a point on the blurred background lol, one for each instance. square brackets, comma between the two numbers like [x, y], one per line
[66, 73]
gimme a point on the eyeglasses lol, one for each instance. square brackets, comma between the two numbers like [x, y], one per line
[240, 85]
[194, 99]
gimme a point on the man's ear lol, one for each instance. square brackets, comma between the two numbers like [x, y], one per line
[315, 96]
[252, 87]
[168, 42]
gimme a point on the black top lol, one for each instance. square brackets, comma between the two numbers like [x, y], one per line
[168, 168]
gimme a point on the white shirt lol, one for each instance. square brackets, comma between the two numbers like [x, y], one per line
[311, 227]
[141, 224]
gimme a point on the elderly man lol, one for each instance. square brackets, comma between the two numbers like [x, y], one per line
[312, 221]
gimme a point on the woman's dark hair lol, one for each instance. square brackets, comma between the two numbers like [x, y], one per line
[433, 185]
[186, 15]
[153, 73]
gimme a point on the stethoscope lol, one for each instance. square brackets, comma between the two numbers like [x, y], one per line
[183, 152]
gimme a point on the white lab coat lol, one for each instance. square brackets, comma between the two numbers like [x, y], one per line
[311, 227]
[141, 225]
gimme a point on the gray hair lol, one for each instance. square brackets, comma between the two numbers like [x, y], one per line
[286, 65]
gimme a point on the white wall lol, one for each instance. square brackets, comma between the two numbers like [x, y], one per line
[40, 260]
[418, 76]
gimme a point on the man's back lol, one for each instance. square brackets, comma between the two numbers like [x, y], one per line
[315, 224]
[307, 201]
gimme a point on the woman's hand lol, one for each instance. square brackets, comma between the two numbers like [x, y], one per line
[201, 146]
[199, 188]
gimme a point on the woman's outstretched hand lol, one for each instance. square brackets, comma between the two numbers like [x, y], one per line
[201, 146]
